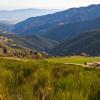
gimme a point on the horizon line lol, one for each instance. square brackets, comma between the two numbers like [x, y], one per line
[41, 8]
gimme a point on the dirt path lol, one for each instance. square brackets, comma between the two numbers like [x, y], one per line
[19, 59]
[74, 64]
[83, 65]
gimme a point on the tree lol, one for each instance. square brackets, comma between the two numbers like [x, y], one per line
[5, 50]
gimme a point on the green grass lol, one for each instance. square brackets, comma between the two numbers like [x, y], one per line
[73, 59]
[42, 80]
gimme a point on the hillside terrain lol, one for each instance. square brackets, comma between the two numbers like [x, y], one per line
[9, 49]
[36, 55]
[87, 42]
[15, 46]
[41, 43]
[63, 32]
[32, 42]
[70, 32]
[35, 25]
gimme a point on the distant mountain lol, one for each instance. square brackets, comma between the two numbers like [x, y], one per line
[32, 42]
[14, 16]
[62, 32]
[88, 42]
[36, 25]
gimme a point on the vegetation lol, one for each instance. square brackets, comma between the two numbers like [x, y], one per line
[73, 59]
[10, 49]
[55, 78]
[63, 32]
[86, 42]
[42, 80]
[54, 25]
[30, 41]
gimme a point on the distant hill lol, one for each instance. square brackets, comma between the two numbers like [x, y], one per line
[41, 43]
[14, 16]
[32, 42]
[36, 25]
[88, 42]
[12, 46]
[62, 32]
[8, 49]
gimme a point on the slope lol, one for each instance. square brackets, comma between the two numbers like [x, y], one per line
[62, 32]
[88, 42]
[32, 42]
[34, 25]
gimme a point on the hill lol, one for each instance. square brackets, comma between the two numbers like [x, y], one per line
[35, 25]
[41, 43]
[62, 32]
[14, 46]
[87, 42]
[8, 49]
[32, 42]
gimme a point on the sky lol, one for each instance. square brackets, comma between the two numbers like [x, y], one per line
[45, 4]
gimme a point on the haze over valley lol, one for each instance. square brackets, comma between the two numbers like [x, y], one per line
[15, 16]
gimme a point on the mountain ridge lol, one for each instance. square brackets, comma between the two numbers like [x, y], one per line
[66, 31]
[34, 25]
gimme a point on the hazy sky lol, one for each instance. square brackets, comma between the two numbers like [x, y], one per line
[51, 4]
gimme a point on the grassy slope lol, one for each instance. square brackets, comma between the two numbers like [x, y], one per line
[47, 81]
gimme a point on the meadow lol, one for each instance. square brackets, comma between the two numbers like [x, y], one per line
[74, 59]
[47, 80]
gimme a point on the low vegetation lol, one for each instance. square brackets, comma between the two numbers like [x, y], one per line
[74, 59]
[43, 80]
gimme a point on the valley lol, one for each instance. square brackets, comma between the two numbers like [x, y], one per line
[49, 54]
[17, 15]
[59, 33]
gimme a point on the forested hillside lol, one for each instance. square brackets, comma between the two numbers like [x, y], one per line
[88, 42]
